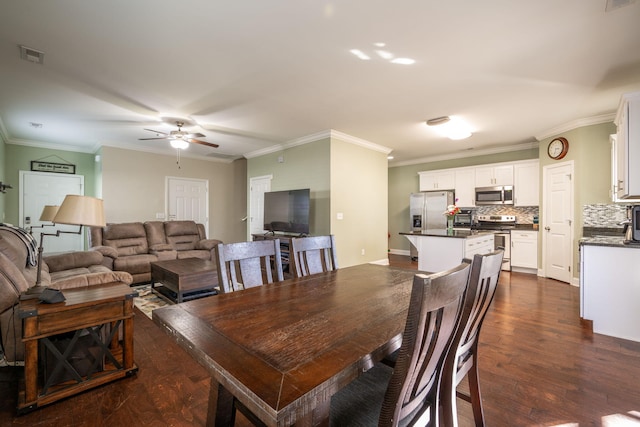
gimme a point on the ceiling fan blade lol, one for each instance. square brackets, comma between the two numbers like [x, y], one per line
[157, 131]
[196, 135]
[197, 141]
[148, 139]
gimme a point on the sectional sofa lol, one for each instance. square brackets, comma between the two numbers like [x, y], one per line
[133, 246]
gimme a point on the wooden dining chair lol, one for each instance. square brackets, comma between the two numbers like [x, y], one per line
[463, 358]
[313, 255]
[247, 264]
[409, 393]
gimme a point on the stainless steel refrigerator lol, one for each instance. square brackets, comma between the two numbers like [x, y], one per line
[426, 211]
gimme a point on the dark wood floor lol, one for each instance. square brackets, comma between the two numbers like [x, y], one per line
[539, 366]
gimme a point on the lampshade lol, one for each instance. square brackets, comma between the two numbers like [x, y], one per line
[179, 143]
[81, 210]
[49, 212]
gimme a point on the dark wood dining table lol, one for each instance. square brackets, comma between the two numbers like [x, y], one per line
[282, 350]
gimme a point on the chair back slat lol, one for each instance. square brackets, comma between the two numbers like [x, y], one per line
[313, 255]
[432, 320]
[483, 282]
[244, 265]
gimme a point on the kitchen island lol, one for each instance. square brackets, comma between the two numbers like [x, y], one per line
[441, 249]
[610, 286]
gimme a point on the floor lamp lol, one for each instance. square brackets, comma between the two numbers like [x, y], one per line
[74, 210]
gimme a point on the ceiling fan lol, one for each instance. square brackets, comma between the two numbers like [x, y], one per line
[179, 138]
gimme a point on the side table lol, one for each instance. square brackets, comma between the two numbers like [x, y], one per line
[99, 312]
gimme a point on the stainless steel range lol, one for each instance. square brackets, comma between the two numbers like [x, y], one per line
[502, 225]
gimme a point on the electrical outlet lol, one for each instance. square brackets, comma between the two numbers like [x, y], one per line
[362, 251]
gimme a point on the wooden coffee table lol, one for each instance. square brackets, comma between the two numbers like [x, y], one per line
[185, 279]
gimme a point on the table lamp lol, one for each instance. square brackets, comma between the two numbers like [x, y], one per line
[74, 210]
[48, 213]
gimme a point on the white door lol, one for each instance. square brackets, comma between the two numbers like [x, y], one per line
[188, 199]
[38, 189]
[557, 232]
[257, 187]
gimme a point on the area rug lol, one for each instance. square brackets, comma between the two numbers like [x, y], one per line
[147, 300]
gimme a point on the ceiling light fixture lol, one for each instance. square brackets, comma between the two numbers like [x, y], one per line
[384, 54]
[451, 127]
[179, 143]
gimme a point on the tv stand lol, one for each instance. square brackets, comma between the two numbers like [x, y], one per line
[285, 242]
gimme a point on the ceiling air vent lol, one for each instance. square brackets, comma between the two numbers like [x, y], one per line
[31, 55]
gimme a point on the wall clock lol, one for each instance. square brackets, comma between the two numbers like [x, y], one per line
[558, 148]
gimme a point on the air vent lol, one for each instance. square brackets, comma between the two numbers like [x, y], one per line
[31, 55]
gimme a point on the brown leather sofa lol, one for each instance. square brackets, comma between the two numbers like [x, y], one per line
[133, 246]
[18, 271]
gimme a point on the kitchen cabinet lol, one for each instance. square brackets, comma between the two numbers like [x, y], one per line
[609, 295]
[627, 148]
[443, 179]
[440, 250]
[488, 176]
[524, 249]
[526, 183]
[465, 179]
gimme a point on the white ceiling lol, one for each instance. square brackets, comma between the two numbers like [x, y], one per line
[256, 75]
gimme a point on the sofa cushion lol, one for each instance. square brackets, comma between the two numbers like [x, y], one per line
[91, 276]
[12, 282]
[155, 233]
[195, 253]
[135, 263]
[183, 235]
[69, 261]
[127, 238]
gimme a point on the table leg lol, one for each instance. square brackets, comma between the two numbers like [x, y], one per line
[221, 411]
[30, 360]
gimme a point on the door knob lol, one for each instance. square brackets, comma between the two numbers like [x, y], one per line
[547, 228]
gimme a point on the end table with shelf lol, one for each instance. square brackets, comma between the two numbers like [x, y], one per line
[91, 317]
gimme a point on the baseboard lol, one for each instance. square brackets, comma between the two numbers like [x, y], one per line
[400, 252]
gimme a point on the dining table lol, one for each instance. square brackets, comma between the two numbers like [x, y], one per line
[282, 350]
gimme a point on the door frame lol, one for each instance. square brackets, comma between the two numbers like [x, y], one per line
[574, 281]
[250, 196]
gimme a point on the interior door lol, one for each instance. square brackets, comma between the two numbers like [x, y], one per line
[38, 189]
[188, 199]
[257, 187]
[558, 221]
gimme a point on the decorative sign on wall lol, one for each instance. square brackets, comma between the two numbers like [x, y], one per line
[39, 166]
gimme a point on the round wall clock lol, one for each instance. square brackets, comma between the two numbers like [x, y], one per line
[558, 148]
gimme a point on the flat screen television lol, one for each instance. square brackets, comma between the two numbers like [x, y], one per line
[287, 211]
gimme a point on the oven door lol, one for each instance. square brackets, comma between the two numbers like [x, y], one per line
[502, 240]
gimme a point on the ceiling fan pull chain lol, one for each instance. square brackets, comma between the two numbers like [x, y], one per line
[178, 161]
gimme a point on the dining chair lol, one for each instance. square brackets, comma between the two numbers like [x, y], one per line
[463, 358]
[244, 265]
[409, 393]
[313, 255]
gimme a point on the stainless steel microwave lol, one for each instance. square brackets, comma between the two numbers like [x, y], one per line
[499, 195]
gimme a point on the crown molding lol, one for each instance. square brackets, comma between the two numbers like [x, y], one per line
[575, 124]
[469, 153]
[330, 133]
[52, 146]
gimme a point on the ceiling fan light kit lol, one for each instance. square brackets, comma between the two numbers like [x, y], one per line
[178, 138]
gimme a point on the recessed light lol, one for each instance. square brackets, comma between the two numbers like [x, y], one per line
[384, 54]
[389, 157]
[403, 61]
[35, 125]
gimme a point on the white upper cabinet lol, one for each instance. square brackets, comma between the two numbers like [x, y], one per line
[526, 184]
[627, 148]
[465, 187]
[443, 179]
[494, 175]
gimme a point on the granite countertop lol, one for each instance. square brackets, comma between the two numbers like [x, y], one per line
[612, 241]
[455, 233]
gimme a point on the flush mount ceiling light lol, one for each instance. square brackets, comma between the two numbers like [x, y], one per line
[383, 54]
[451, 127]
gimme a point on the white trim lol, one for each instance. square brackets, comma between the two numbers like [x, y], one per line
[575, 124]
[400, 252]
[469, 153]
[318, 137]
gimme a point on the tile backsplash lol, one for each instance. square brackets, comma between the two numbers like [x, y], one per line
[523, 214]
[603, 215]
